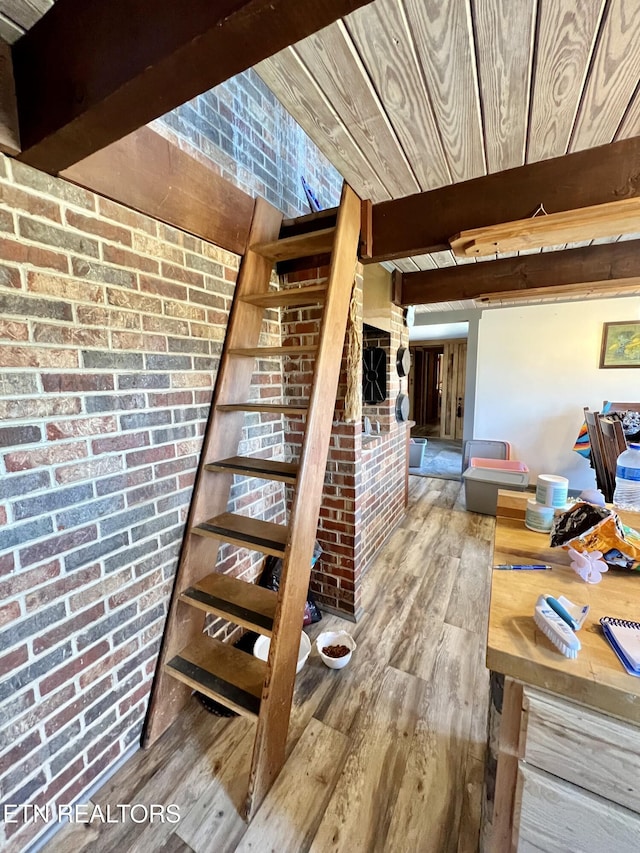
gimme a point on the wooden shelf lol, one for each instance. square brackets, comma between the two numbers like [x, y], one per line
[264, 536]
[310, 295]
[298, 246]
[268, 408]
[222, 672]
[567, 226]
[251, 466]
[242, 603]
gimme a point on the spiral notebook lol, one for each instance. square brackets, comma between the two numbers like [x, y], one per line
[624, 639]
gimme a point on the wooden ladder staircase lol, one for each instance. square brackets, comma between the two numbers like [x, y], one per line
[190, 659]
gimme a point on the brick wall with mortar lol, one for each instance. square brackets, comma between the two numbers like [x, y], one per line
[110, 330]
[364, 488]
[382, 485]
[241, 129]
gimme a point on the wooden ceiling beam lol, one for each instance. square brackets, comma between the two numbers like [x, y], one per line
[525, 276]
[424, 222]
[148, 173]
[90, 72]
[625, 286]
[571, 226]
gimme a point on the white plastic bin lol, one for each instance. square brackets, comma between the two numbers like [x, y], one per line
[481, 487]
[417, 447]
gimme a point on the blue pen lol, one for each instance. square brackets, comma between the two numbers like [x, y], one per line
[525, 567]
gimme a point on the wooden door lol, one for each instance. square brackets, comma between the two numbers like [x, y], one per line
[454, 363]
[424, 382]
[416, 385]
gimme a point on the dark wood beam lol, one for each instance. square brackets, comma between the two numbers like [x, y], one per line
[366, 233]
[89, 72]
[396, 287]
[424, 222]
[571, 269]
[153, 176]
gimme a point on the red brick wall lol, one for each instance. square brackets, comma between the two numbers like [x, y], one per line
[364, 485]
[243, 131]
[383, 457]
[110, 331]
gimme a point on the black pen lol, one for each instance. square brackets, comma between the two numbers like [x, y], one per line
[539, 567]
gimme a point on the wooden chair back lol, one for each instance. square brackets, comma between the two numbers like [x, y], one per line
[604, 478]
[613, 444]
[624, 407]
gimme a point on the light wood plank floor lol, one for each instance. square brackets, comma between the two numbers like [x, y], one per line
[385, 755]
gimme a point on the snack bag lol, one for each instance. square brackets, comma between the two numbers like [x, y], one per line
[586, 527]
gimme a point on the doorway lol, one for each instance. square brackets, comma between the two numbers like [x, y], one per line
[437, 389]
[437, 393]
[426, 396]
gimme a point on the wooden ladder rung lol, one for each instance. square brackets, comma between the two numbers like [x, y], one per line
[264, 536]
[267, 408]
[252, 466]
[270, 352]
[222, 672]
[308, 220]
[298, 246]
[243, 603]
[310, 295]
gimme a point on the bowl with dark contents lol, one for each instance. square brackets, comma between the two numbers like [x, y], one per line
[335, 648]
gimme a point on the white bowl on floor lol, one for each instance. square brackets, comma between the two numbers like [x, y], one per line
[335, 638]
[261, 649]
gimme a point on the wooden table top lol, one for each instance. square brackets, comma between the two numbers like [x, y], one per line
[515, 645]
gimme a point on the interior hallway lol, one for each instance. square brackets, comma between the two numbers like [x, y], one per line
[442, 458]
[385, 755]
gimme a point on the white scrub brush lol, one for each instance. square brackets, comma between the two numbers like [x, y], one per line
[556, 629]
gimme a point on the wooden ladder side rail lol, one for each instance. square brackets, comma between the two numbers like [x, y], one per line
[273, 720]
[211, 490]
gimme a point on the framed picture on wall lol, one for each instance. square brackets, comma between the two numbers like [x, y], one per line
[620, 345]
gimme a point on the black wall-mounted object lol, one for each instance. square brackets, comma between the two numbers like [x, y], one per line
[374, 375]
[403, 361]
[402, 408]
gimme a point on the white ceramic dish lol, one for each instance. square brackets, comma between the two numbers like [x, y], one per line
[335, 638]
[261, 649]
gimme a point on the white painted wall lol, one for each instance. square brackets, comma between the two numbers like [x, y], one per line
[537, 369]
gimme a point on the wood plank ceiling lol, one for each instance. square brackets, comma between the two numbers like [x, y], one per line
[405, 96]
[409, 95]
[17, 16]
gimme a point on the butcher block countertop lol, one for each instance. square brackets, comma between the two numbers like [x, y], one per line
[517, 648]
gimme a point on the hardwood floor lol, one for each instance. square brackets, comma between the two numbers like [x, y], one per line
[385, 755]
